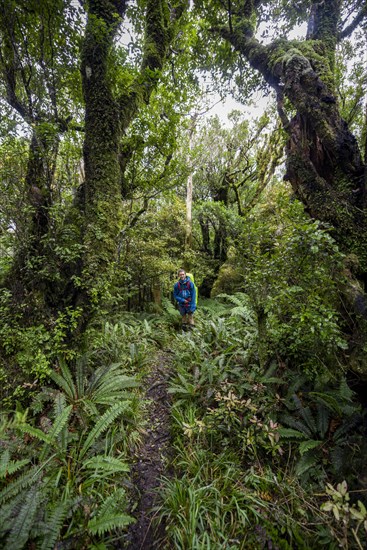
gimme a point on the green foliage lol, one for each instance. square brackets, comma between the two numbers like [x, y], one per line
[291, 274]
[74, 487]
[327, 427]
[275, 435]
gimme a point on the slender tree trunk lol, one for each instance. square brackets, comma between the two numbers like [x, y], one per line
[189, 187]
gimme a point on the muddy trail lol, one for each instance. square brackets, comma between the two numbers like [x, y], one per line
[152, 460]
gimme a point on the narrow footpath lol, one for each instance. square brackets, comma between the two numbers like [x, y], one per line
[153, 458]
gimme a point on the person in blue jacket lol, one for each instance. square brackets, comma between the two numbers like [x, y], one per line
[185, 295]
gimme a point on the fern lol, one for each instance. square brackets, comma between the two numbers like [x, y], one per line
[58, 426]
[59, 407]
[306, 446]
[308, 418]
[307, 461]
[322, 420]
[297, 425]
[103, 423]
[23, 522]
[105, 464]
[114, 501]
[65, 381]
[9, 467]
[54, 522]
[15, 487]
[289, 433]
[108, 522]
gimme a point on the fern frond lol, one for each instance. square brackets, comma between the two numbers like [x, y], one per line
[34, 432]
[114, 385]
[307, 461]
[54, 522]
[113, 502]
[328, 401]
[58, 426]
[108, 522]
[59, 403]
[100, 375]
[106, 464]
[103, 423]
[289, 433]
[15, 487]
[322, 420]
[23, 522]
[80, 376]
[344, 391]
[12, 466]
[339, 458]
[346, 428]
[297, 425]
[309, 419]
[65, 381]
[60, 422]
[59, 407]
[8, 511]
[308, 445]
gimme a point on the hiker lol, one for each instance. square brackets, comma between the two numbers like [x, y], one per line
[184, 293]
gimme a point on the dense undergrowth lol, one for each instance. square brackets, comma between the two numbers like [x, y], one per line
[64, 471]
[264, 458]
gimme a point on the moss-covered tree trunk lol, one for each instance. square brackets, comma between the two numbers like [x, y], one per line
[324, 163]
[107, 116]
[101, 205]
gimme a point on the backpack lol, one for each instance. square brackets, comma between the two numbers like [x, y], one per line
[191, 277]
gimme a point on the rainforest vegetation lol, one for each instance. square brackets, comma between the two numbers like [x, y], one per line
[120, 163]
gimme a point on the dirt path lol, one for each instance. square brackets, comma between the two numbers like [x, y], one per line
[152, 459]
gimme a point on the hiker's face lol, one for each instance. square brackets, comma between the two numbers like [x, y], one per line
[182, 275]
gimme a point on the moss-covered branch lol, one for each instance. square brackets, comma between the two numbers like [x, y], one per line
[161, 25]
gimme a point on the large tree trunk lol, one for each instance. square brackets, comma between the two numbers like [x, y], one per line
[324, 163]
[107, 116]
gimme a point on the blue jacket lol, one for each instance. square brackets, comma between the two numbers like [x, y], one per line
[185, 295]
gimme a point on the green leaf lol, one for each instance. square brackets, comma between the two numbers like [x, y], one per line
[289, 433]
[308, 445]
[8, 467]
[99, 526]
[103, 423]
[108, 464]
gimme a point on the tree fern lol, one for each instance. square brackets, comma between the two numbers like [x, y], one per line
[103, 423]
